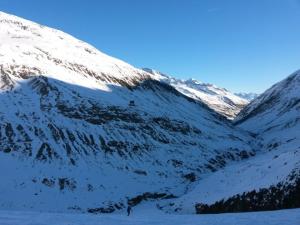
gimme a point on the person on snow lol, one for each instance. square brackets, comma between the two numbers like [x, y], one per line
[128, 210]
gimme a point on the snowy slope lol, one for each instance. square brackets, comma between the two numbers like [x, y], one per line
[278, 103]
[273, 173]
[218, 99]
[28, 48]
[274, 115]
[80, 130]
[260, 172]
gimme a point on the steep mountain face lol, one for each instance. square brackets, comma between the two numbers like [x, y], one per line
[271, 179]
[248, 96]
[276, 106]
[218, 99]
[274, 117]
[80, 130]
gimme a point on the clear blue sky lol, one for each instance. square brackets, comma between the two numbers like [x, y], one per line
[243, 45]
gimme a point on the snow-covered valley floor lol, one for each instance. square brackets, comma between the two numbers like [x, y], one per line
[281, 217]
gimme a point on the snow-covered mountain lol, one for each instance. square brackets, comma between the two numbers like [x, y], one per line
[218, 99]
[80, 130]
[248, 96]
[271, 179]
[277, 105]
[274, 117]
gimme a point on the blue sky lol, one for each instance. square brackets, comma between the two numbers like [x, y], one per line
[237, 44]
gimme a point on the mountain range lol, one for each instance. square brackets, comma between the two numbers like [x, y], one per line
[218, 99]
[83, 131]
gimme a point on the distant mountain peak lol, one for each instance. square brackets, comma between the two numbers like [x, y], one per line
[219, 99]
[249, 96]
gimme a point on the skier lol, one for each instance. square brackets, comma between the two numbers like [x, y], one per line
[128, 210]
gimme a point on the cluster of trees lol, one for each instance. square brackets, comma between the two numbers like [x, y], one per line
[281, 196]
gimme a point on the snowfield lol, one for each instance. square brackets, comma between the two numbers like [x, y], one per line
[281, 217]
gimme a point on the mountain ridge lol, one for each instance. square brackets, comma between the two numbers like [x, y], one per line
[219, 99]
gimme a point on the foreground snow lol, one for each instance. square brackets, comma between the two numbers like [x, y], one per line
[281, 217]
